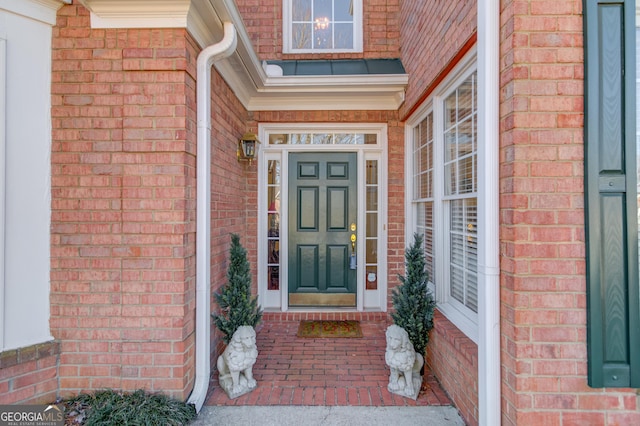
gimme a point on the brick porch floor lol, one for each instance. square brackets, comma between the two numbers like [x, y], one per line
[327, 372]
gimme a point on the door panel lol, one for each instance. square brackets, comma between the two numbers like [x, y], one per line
[322, 207]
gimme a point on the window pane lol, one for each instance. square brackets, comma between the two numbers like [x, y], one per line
[301, 10]
[301, 37]
[277, 139]
[463, 255]
[428, 239]
[372, 251]
[300, 139]
[343, 34]
[372, 172]
[343, 10]
[370, 139]
[423, 158]
[472, 292]
[465, 99]
[372, 199]
[372, 224]
[322, 38]
[322, 9]
[322, 139]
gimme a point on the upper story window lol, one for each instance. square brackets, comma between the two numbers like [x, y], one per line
[322, 26]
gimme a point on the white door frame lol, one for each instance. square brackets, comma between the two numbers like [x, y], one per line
[370, 300]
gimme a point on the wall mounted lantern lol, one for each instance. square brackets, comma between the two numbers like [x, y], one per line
[248, 147]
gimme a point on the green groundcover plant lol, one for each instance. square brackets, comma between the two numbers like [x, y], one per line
[111, 408]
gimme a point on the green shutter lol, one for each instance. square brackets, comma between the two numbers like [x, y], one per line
[613, 301]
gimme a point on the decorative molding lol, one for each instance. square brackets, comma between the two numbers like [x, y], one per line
[138, 13]
[41, 10]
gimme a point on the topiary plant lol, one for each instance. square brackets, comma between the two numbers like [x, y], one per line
[412, 301]
[237, 306]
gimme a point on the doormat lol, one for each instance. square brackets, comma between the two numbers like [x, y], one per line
[329, 329]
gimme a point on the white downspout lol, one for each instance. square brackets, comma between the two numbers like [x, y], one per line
[206, 58]
[489, 398]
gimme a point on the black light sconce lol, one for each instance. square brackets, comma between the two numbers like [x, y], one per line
[248, 147]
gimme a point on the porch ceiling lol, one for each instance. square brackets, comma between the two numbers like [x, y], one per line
[243, 71]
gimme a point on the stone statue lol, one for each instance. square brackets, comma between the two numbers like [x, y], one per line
[235, 365]
[404, 362]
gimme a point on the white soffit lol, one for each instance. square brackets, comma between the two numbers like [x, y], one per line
[242, 70]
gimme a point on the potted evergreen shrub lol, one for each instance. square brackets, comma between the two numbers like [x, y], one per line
[237, 306]
[412, 301]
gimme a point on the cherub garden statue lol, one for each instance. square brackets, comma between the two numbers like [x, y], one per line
[235, 365]
[404, 363]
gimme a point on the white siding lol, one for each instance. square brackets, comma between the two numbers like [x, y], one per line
[26, 166]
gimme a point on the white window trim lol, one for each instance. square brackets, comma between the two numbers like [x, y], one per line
[3, 142]
[287, 17]
[367, 300]
[461, 316]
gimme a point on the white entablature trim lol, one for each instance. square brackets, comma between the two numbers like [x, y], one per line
[243, 70]
[41, 10]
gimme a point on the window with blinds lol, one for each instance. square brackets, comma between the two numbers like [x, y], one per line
[461, 185]
[444, 159]
[423, 187]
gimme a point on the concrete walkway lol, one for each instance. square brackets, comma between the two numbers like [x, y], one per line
[327, 416]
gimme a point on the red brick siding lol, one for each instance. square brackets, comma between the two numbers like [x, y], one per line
[431, 34]
[453, 358]
[29, 375]
[543, 306]
[123, 206]
[263, 19]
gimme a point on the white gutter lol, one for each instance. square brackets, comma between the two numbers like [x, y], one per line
[206, 58]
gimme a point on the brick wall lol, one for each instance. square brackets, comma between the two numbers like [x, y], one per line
[543, 300]
[453, 358]
[29, 375]
[263, 19]
[124, 200]
[432, 35]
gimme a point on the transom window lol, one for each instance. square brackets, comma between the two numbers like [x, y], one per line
[320, 26]
[323, 139]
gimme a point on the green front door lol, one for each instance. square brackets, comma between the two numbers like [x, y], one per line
[322, 224]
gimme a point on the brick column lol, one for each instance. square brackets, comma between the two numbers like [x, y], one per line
[123, 206]
[543, 283]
